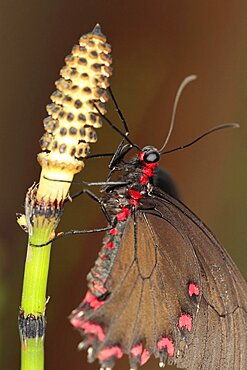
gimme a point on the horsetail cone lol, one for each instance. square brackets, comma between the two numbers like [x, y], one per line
[72, 115]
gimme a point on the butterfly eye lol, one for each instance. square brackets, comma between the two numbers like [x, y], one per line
[151, 156]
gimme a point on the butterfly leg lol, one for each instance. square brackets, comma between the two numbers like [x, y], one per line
[119, 112]
[84, 183]
[73, 232]
[97, 199]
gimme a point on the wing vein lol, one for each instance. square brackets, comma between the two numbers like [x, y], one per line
[165, 256]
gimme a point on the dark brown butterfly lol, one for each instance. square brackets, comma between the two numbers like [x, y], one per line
[162, 284]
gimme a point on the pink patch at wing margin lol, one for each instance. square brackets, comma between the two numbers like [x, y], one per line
[166, 343]
[92, 300]
[77, 319]
[185, 321]
[107, 353]
[91, 328]
[145, 356]
[193, 289]
[137, 350]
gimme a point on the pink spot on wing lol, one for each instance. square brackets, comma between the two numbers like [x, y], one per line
[91, 328]
[113, 231]
[185, 321]
[110, 352]
[103, 257]
[109, 245]
[193, 289]
[77, 319]
[89, 297]
[167, 344]
[145, 356]
[92, 300]
[137, 350]
[123, 214]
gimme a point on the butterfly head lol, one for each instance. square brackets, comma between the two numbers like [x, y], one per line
[149, 155]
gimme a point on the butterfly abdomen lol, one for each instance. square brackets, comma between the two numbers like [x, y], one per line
[120, 204]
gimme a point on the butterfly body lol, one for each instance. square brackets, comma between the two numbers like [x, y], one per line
[162, 285]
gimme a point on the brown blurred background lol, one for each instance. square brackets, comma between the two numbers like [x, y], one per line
[155, 45]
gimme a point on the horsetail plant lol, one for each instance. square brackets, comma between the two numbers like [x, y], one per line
[72, 117]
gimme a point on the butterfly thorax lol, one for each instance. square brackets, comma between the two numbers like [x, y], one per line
[138, 175]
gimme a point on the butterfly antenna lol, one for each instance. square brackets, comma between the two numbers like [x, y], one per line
[119, 112]
[210, 131]
[124, 135]
[183, 84]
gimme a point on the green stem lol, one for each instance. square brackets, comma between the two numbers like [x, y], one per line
[34, 293]
[32, 355]
[36, 274]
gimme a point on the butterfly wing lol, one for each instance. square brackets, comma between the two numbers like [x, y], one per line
[173, 292]
[218, 335]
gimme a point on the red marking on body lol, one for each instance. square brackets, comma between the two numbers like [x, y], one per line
[97, 274]
[123, 214]
[135, 194]
[141, 156]
[147, 171]
[185, 321]
[145, 356]
[92, 300]
[167, 344]
[137, 350]
[143, 179]
[103, 257]
[106, 353]
[76, 320]
[109, 245]
[134, 202]
[151, 165]
[91, 328]
[113, 231]
[193, 289]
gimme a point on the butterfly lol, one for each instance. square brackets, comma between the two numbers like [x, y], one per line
[162, 284]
